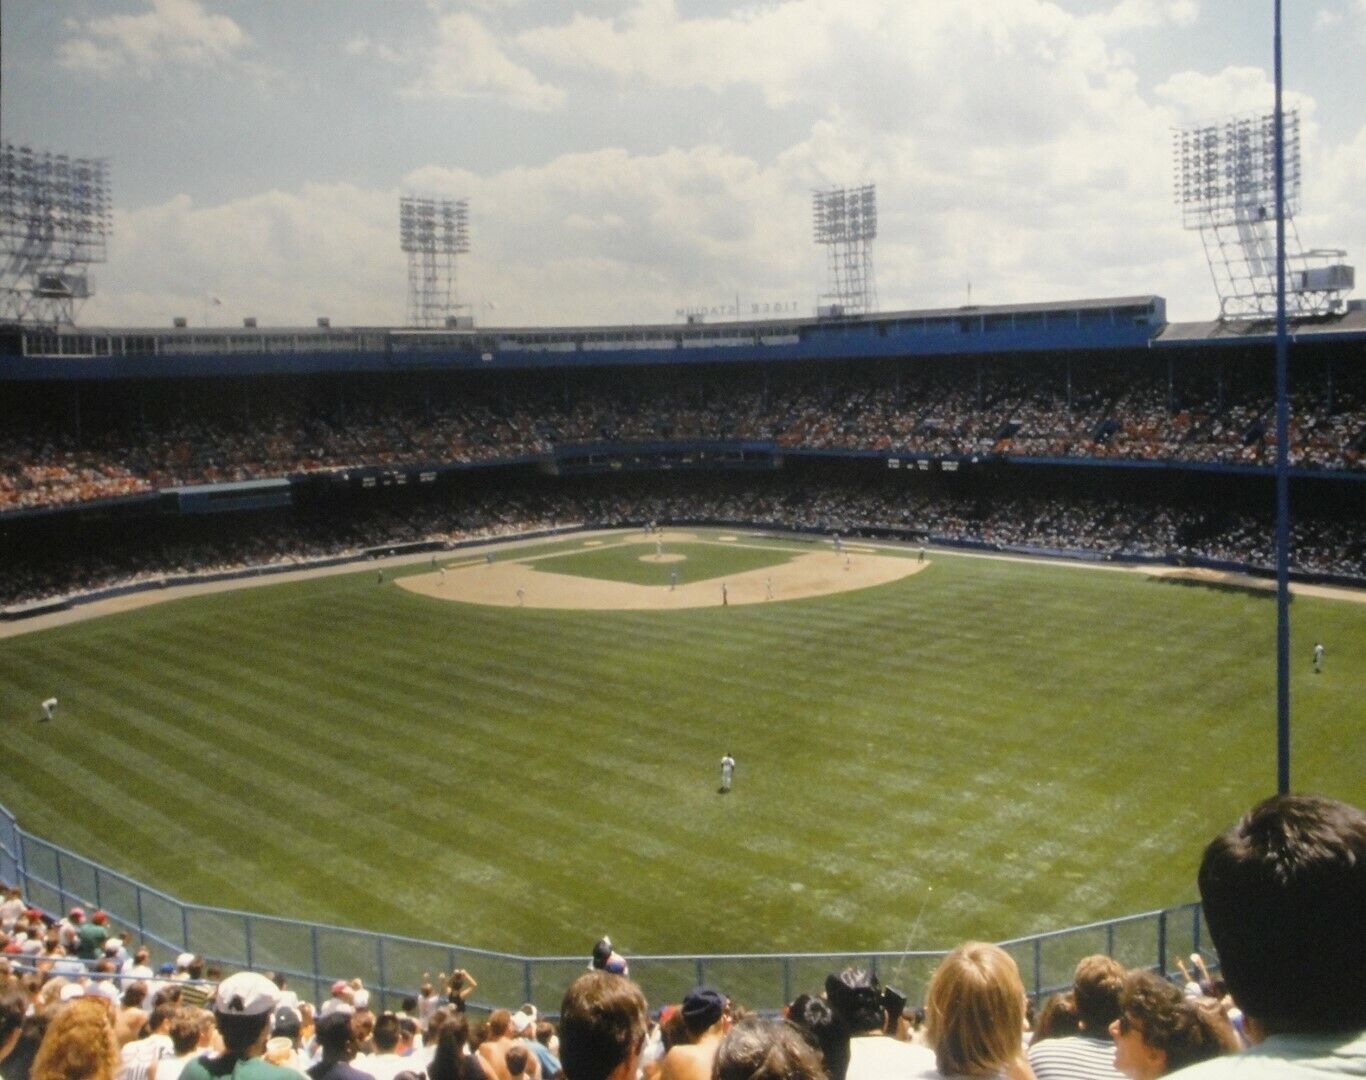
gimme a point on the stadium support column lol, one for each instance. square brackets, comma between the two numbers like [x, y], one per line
[1282, 452]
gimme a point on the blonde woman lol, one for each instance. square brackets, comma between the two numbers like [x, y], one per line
[79, 1044]
[974, 1016]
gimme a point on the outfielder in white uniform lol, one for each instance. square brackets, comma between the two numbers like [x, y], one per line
[49, 707]
[727, 771]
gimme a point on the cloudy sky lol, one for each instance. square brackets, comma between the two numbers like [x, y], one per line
[624, 158]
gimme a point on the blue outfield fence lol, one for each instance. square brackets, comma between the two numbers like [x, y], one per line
[313, 956]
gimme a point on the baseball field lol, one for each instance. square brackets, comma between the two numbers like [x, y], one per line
[521, 751]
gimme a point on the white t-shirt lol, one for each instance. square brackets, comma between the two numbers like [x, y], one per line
[880, 1057]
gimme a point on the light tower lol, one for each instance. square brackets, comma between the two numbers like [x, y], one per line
[844, 220]
[1226, 187]
[433, 232]
[54, 222]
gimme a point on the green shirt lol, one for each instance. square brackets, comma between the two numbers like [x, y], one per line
[216, 1068]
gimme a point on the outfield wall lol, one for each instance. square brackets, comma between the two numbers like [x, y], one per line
[313, 956]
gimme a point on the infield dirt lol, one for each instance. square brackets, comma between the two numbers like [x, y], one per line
[532, 582]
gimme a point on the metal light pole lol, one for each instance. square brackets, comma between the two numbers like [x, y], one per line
[1282, 454]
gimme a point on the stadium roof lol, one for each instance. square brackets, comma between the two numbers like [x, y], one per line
[1351, 324]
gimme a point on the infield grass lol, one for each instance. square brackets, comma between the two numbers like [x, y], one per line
[1007, 747]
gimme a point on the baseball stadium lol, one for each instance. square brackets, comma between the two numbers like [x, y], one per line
[470, 621]
[767, 644]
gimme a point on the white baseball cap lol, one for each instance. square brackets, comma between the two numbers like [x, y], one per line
[246, 994]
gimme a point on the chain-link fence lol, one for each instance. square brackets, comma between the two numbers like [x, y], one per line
[313, 956]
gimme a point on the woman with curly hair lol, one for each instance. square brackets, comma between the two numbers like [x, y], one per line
[79, 1044]
[1160, 1030]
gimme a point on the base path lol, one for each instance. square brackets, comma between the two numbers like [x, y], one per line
[810, 573]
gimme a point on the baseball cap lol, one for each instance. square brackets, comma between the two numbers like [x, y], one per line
[340, 987]
[286, 1021]
[246, 994]
[702, 1007]
[521, 1021]
[71, 991]
[113, 944]
[100, 918]
[184, 960]
[76, 914]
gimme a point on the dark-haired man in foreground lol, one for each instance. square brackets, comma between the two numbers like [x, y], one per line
[1284, 894]
[602, 1027]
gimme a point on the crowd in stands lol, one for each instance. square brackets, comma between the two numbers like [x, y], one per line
[942, 410]
[1284, 897]
[1094, 526]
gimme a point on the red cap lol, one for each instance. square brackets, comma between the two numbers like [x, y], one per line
[100, 918]
[76, 914]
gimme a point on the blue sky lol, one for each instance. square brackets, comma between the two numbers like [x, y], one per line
[624, 158]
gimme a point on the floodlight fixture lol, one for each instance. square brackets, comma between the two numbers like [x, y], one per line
[54, 222]
[1225, 185]
[433, 232]
[844, 220]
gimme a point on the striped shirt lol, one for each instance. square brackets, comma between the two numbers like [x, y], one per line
[1074, 1057]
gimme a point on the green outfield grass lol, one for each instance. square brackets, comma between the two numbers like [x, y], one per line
[1010, 746]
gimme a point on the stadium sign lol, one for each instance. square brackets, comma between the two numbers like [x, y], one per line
[736, 310]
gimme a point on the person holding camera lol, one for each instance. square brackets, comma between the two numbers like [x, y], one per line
[869, 1014]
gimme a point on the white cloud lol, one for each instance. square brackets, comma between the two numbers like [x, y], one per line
[1129, 15]
[468, 61]
[178, 32]
[285, 257]
[364, 46]
[1196, 96]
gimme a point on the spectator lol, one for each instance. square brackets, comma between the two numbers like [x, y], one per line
[1089, 1053]
[1057, 1018]
[1160, 1030]
[706, 1017]
[859, 1005]
[138, 1055]
[974, 1015]
[1284, 895]
[191, 1034]
[499, 1039]
[391, 1048]
[13, 1006]
[459, 987]
[546, 1048]
[450, 1059]
[815, 1020]
[603, 1020]
[242, 1007]
[756, 1049]
[337, 1048]
[78, 1044]
[18, 1065]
